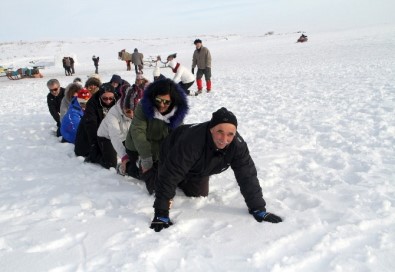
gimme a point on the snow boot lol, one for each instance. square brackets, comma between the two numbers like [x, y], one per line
[199, 83]
[208, 85]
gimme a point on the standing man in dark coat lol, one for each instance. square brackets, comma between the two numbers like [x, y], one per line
[54, 98]
[96, 63]
[192, 153]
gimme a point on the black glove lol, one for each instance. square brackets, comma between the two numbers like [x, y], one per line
[193, 70]
[260, 216]
[161, 220]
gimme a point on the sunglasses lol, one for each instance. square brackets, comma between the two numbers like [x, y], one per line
[160, 100]
[54, 90]
[107, 98]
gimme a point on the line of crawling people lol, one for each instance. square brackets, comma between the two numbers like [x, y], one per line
[139, 130]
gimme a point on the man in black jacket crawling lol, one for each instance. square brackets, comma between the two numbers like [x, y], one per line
[192, 153]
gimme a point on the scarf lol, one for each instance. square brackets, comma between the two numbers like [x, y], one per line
[176, 68]
[165, 118]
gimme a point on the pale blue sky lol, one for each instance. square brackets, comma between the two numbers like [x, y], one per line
[54, 19]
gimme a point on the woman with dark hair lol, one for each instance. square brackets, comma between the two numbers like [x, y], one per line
[162, 109]
[96, 109]
[113, 129]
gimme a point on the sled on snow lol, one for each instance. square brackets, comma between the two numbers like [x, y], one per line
[23, 73]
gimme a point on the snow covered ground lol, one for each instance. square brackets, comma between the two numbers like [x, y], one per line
[319, 120]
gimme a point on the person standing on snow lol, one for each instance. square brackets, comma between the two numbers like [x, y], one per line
[202, 59]
[137, 60]
[96, 63]
[183, 76]
[216, 146]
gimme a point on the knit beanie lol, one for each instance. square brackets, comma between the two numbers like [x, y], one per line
[223, 116]
[116, 79]
[83, 96]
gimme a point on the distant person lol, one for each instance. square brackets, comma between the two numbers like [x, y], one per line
[72, 118]
[192, 153]
[183, 76]
[157, 75]
[72, 66]
[202, 59]
[67, 66]
[137, 60]
[98, 106]
[54, 100]
[96, 63]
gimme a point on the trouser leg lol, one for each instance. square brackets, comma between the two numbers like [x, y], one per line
[109, 155]
[195, 186]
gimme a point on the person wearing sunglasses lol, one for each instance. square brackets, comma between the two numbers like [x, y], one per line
[54, 100]
[113, 129]
[162, 109]
[98, 106]
[194, 152]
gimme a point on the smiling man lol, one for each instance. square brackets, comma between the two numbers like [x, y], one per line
[192, 153]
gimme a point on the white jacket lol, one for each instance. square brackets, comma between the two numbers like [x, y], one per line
[115, 127]
[182, 74]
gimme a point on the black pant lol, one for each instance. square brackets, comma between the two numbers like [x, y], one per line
[186, 86]
[195, 186]
[108, 153]
[131, 168]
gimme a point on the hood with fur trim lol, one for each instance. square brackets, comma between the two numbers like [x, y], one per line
[178, 98]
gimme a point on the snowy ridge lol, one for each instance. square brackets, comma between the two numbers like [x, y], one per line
[320, 124]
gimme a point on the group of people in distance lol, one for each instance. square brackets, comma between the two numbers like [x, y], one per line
[139, 130]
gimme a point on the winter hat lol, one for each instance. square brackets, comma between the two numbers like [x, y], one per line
[156, 72]
[83, 96]
[197, 41]
[135, 50]
[223, 116]
[116, 79]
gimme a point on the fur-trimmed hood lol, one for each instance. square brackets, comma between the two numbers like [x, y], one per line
[178, 98]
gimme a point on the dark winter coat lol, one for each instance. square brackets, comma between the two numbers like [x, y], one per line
[54, 104]
[96, 61]
[147, 132]
[71, 120]
[89, 124]
[189, 151]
